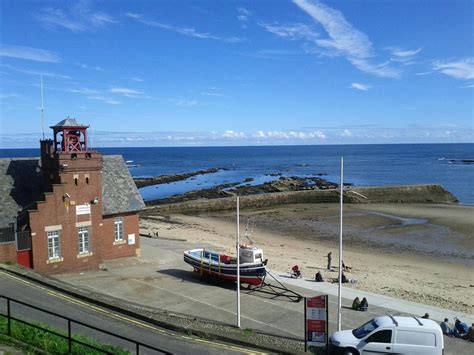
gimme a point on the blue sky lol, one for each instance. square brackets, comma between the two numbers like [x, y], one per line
[182, 73]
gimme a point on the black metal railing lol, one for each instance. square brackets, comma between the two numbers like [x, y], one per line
[69, 336]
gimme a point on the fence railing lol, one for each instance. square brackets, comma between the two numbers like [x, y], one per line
[23, 240]
[69, 336]
[7, 234]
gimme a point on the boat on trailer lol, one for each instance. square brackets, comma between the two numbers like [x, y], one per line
[223, 266]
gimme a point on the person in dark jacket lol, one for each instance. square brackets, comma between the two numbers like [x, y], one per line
[318, 277]
[364, 305]
[329, 260]
[356, 304]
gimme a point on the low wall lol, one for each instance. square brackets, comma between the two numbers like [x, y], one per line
[8, 252]
[385, 194]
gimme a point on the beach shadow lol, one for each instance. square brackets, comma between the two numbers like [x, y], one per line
[195, 277]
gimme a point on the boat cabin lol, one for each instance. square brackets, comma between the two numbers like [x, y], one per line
[250, 254]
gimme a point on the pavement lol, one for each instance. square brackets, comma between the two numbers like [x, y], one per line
[160, 279]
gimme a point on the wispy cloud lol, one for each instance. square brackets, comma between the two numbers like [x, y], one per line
[127, 92]
[289, 135]
[105, 99]
[233, 135]
[424, 73]
[358, 86]
[403, 56]
[469, 86]
[78, 19]
[461, 69]
[243, 16]
[28, 53]
[37, 72]
[135, 78]
[342, 39]
[84, 91]
[185, 31]
[85, 66]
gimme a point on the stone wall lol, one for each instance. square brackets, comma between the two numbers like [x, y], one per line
[386, 194]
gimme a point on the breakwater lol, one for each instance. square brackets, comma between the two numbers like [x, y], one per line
[375, 194]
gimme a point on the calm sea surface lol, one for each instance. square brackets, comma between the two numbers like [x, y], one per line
[451, 165]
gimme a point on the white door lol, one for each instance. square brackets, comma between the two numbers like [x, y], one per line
[379, 342]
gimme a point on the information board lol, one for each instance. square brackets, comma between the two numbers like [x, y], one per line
[83, 209]
[316, 321]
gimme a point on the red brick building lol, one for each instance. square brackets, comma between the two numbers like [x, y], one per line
[69, 210]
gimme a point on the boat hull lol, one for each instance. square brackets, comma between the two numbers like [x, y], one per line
[252, 274]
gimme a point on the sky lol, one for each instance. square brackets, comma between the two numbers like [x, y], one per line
[205, 73]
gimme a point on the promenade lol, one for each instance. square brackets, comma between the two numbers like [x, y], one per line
[160, 279]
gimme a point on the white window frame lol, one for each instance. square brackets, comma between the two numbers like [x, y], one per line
[83, 240]
[118, 229]
[54, 244]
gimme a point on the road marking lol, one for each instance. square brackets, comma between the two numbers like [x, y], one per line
[129, 320]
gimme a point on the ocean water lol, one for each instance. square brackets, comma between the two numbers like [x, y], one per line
[451, 165]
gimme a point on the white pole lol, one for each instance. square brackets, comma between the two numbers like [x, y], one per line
[339, 290]
[42, 107]
[238, 262]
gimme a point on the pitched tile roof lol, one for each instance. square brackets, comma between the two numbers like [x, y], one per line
[21, 184]
[119, 192]
[69, 122]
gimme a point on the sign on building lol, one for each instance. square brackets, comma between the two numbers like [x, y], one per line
[131, 239]
[316, 321]
[83, 209]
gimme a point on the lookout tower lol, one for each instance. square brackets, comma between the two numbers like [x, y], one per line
[73, 136]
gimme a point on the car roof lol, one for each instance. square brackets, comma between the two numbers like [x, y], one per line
[384, 321]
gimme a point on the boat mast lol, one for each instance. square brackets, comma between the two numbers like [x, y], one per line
[238, 262]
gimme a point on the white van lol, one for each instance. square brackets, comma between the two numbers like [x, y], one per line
[390, 335]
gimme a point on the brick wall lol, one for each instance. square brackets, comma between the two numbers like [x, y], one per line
[113, 249]
[59, 209]
[8, 252]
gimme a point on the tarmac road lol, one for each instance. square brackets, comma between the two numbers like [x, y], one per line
[40, 296]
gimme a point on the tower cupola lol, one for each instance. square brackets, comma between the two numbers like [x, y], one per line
[70, 136]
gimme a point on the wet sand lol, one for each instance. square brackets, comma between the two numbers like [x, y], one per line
[422, 253]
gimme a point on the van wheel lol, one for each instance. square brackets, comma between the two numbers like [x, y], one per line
[350, 351]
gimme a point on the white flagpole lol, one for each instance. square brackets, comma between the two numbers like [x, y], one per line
[42, 107]
[339, 291]
[238, 262]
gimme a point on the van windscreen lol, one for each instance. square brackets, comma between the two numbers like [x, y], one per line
[365, 329]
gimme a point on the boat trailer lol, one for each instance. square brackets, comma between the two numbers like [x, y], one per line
[278, 290]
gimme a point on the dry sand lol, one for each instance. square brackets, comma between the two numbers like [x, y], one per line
[421, 253]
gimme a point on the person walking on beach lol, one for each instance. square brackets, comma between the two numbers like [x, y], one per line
[329, 260]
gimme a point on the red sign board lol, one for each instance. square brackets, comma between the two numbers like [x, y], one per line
[316, 321]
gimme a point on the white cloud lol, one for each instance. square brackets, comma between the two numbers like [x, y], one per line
[185, 31]
[468, 86]
[37, 72]
[85, 66]
[79, 19]
[346, 133]
[402, 53]
[358, 86]
[233, 135]
[105, 99]
[343, 38]
[84, 91]
[289, 135]
[461, 69]
[423, 73]
[28, 53]
[291, 32]
[127, 92]
[243, 16]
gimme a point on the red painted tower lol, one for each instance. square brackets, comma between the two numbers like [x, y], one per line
[74, 136]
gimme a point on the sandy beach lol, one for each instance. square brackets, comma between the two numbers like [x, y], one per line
[418, 252]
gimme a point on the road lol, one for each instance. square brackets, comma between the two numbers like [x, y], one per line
[54, 301]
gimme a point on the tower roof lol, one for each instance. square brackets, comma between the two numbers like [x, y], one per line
[68, 122]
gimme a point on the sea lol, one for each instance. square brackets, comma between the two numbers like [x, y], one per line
[450, 165]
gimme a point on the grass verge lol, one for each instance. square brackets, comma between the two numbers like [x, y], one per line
[52, 343]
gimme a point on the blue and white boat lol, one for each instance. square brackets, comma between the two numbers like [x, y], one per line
[222, 266]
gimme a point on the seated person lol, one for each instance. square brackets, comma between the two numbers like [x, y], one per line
[364, 305]
[460, 328]
[445, 327]
[344, 278]
[356, 303]
[296, 271]
[470, 334]
[318, 277]
[426, 316]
